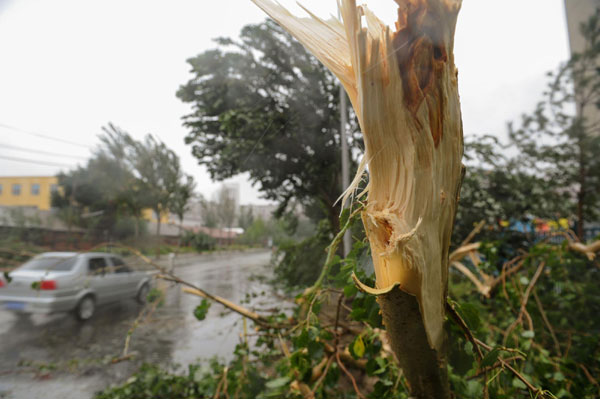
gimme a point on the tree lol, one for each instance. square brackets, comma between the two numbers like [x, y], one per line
[245, 217]
[560, 140]
[179, 202]
[101, 188]
[265, 106]
[131, 196]
[404, 90]
[209, 213]
[226, 206]
[121, 180]
[159, 172]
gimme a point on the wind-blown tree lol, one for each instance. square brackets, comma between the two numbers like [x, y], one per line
[100, 188]
[131, 196]
[123, 178]
[245, 217]
[560, 140]
[159, 172]
[209, 213]
[226, 206]
[180, 199]
[263, 105]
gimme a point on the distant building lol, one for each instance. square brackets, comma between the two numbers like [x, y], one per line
[28, 191]
[264, 212]
[578, 12]
[36, 192]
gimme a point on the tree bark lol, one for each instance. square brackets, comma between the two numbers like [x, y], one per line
[424, 370]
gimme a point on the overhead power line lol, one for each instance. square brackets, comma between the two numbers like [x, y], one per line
[35, 162]
[44, 136]
[53, 154]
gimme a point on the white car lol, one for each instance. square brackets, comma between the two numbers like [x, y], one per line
[70, 281]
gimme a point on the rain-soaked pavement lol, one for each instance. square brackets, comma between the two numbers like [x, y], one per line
[55, 356]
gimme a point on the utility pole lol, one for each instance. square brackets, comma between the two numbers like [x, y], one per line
[345, 157]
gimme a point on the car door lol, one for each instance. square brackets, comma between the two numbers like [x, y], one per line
[124, 278]
[101, 279]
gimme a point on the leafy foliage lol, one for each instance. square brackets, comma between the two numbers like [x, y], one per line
[119, 182]
[199, 240]
[263, 105]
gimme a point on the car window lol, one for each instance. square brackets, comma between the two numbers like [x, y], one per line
[50, 263]
[97, 266]
[119, 265]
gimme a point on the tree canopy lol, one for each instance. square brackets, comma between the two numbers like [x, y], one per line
[261, 104]
[123, 178]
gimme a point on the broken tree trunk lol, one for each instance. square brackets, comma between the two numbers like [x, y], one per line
[403, 86]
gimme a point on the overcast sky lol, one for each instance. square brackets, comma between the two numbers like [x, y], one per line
[68, 67]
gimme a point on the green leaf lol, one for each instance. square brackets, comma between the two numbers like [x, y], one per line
[528, 334]
[469, 347]
[7, 277]
[36, 285]
[350, 290]
[357, 349]
[470, 314]
[202, 309]
[558, 376]
[277, 382]
[490, 358]
[517, 383]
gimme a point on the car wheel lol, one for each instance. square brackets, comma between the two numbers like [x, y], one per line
[142, 295]
[85, 308]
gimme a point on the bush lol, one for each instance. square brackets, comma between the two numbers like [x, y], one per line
[200, 241]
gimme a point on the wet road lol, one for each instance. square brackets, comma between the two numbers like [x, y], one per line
[55, 356]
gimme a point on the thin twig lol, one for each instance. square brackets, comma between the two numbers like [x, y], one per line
[524, 301]
[349, 374]
[332, 250]
[477, 343]
[487, 369]
[459, 320]
[589, 376]
[547, 322]
[473, 233]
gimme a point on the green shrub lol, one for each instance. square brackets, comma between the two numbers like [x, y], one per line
[199, 240]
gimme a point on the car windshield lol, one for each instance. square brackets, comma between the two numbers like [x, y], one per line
[50, 263]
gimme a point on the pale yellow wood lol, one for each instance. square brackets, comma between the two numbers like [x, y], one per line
[402, 83]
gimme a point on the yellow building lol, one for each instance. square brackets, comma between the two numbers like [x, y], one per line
[28, 191]
[36, 191]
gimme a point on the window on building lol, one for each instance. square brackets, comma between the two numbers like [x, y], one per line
[35, 189]
[53, 188]
[16, 189]
[0, 189]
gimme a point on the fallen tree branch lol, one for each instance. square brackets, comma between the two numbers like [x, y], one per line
[481, 287]
[228, 304]
[462, 251]
[588, 250]
[193, 289]
[524, 301]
